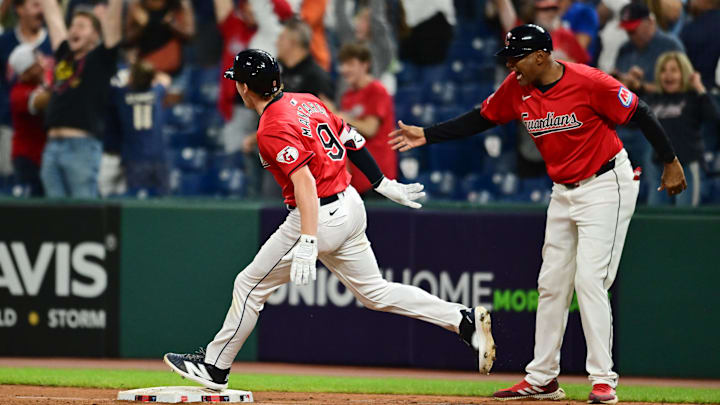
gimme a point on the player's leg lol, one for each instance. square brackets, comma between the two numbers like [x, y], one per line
[251, 289]
[555, 290]
[603, 215]
[354, 263]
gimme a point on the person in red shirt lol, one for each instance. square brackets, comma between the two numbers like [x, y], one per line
[571, 111]
[368, 108]
[305, 147]
[28, 99]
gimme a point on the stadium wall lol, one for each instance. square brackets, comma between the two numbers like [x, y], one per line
[169, 268]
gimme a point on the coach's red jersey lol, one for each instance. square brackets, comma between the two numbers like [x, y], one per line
[296, 130]
[572, 123]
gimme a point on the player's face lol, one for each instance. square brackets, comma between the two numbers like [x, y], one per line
[81, 35]
[671, 77]
[525, 67]
[30, 14]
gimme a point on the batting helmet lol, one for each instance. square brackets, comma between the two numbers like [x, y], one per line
[525, 39]
[258, 69]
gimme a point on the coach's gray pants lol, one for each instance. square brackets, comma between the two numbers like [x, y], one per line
[345, 250]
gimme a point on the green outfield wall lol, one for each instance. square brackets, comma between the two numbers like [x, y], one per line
[178, 260]
[178, 264]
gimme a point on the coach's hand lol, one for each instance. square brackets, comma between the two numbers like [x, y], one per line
[405, 194]
[303, 256]
[673, 178]
[407, 137]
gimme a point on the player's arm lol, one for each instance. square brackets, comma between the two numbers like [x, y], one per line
[112, 24]
[55, 24]
[304, 254]
[673, 177]
[468, 124]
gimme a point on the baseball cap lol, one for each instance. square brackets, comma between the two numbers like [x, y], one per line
[632, 15]
[22, 58]
[525, 39]
[258, 69]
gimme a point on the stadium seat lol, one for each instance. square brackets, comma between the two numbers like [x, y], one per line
[188, 159]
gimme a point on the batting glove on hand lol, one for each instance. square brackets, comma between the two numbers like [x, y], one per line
[405, 194]
[303, 256]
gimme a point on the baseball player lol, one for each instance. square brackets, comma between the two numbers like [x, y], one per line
[571, 111]
[305, 147]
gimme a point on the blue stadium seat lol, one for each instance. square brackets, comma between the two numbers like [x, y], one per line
[409, 95]
[408, 74]
[204, 88]
[188, 159]
[441, 93]
[227, 182]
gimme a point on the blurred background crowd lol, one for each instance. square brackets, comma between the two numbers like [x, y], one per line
[124, 98]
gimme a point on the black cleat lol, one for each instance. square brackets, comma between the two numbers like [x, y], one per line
[475, 331]
[193, 367]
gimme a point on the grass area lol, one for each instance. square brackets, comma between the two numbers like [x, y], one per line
[101, 378]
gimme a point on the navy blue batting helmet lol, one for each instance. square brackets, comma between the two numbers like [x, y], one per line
[526, 39]
[258, 69]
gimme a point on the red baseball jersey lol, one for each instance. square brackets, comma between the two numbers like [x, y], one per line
[296, 130]
[572, 123]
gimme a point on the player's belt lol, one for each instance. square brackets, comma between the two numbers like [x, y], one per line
[603, 169]
[323, 200]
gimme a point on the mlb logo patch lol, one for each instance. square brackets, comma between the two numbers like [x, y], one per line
[625, 96]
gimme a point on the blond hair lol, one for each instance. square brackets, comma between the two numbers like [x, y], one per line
[686, 68]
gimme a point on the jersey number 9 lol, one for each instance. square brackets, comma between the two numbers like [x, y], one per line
[330, 142]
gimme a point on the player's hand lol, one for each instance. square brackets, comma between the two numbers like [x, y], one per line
[407, 137]
[303, 256]
[673, 178]
[404, 194]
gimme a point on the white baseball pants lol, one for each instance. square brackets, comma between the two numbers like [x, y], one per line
[345, 250]
[584, 238]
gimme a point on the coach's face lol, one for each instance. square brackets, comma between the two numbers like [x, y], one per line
[527, 68]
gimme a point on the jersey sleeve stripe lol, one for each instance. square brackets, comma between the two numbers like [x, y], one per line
[301, 164]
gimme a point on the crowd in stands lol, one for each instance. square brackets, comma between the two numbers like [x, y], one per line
[125, 98]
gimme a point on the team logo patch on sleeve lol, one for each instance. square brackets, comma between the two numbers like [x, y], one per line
[287, 155]
[625, 96]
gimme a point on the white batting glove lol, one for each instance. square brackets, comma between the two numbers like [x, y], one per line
[405, 194]
[303, 256]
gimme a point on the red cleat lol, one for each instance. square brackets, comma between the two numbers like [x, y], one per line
[602, 394]
[524, 390]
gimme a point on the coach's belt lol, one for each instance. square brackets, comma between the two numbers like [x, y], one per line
[323, 200]
[603, 169]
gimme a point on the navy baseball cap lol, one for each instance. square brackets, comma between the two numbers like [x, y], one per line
[524, 40]
[258, 69]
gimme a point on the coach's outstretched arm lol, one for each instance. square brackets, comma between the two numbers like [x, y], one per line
[410, 136]
[673, 177]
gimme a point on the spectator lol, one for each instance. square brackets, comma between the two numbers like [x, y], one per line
[313, 13]
[367, 107]
[700, 38]
[238, 27]
[427, 32]
[636, 58]
[74, 116]
[28, 99]
[371, 27]
[612, 36]
[669, 15]
[141, 116]
[29, 30]
[300, 72]
[547, 15]
[682, 104]
[158, 28]
[635, 67]
[583, 21]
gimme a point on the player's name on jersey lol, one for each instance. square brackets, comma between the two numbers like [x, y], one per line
[551, 123]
